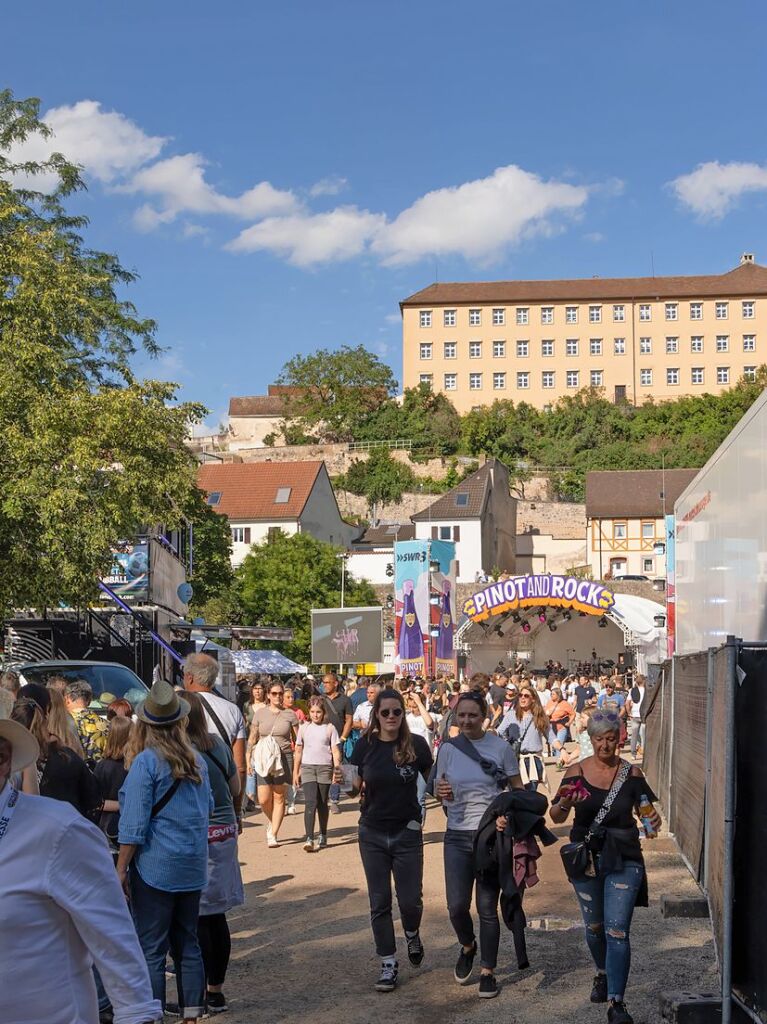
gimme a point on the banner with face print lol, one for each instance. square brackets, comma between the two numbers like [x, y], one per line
[411, 597]
[443, 607]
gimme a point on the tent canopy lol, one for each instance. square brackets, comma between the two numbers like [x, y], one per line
[271, 662]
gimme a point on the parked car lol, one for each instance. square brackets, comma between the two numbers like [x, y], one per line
[631, 576]
[105, 677]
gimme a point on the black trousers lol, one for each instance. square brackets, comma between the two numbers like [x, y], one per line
[216, 945]
[461, 884]
[397, 855]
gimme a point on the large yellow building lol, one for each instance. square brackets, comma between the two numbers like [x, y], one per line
[636, 337]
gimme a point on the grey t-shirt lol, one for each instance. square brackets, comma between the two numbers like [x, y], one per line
[513, 729]
[278, 725]
[473, 789]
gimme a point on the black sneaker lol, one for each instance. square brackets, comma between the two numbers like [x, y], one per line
[599, 989]
[618, 1014]
[415, 951]
[464, 965]
[488, 986]
[216, 1002]
[387, 981]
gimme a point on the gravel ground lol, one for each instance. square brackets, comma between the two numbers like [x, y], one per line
[302, 946]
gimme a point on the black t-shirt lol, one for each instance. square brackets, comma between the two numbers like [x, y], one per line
[110, 775]
[336, 710]
[582, 694]
[497, 694]
[65, 776]
[391, 791]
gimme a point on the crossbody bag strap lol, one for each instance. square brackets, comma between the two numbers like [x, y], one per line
[488, 766]
[165, 798]
[618, 782]
[216, 721]
[527, 730]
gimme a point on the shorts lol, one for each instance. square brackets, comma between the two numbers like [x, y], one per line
[281, 778]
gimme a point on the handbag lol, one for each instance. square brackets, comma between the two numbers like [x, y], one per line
[516, 746]
[578, 858]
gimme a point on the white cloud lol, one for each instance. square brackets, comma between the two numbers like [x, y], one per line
[331, 186]
[306, 239]
[594, 236]
[712, 189]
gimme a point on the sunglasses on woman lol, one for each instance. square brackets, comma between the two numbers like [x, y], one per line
[606, 716]
[394, 712]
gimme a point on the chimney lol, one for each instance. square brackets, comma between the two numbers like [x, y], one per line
[746, 257]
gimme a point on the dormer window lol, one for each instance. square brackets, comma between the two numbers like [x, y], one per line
[283, 496]
[462, 500]
[214, 498]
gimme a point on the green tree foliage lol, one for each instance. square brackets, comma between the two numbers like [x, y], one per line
[281, 580]
[380, 478]
[426, 418]
[212, 573]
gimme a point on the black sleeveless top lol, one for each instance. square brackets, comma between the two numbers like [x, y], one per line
[620, 816]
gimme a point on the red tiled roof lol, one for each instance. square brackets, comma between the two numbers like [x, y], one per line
[249, 489]
[747, 280]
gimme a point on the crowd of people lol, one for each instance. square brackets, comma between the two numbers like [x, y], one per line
[156, 799]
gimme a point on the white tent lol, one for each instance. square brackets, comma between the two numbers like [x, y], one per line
[637, 616]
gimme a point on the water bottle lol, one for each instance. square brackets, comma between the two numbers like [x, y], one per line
[645, 810]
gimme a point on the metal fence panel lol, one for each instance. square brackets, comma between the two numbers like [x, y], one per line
[657, 716]
[714, 883]
[688, 757]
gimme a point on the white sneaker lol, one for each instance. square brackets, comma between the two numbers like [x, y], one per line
[291, 809]
[321, 843]
[271, 839]
[310, 845]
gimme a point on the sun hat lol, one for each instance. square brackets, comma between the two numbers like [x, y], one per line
[26, 749]
[163, 706]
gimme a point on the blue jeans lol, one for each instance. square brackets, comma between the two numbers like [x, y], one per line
[168, 920]
[607, 905]
[558, 732]
[250, 786]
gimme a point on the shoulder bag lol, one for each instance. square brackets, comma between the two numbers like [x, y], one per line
[516, 745]
[578, 858]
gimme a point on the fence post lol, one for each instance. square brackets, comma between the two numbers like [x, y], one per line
[729, 827]
[709, 760]
[672, 731]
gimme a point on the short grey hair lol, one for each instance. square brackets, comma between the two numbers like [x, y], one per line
[9, 680]
[202, 668]
[603, 721]
[79, 689]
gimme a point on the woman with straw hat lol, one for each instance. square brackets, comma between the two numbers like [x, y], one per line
[165, 804]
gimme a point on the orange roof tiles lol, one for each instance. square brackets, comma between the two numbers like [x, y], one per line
[249, 489]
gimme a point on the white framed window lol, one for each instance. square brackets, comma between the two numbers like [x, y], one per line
[697, 375]
[424, 318]
[523, 380]
[748, 309]
[749, 372]
[475, 317]
[571, 347]
[499, 349]
[723, 343]
[449, 317]
[672, 346]
[645, 378]
[572, 378]
[241, 535]
[547, 348]
[672, 376]
[547, 379]
[645, 312]
[648, 566]
[425, 350]
[696, 343]
[571, 314]
[620, 531]
[450, 349]
[619, 314]
[645, 346]
[723, 375]
[499, 317]
[523, 349]
[475, 382]
[425, 378]
[475, 350]
[672, 310]
[595, 346]
[648, 530]
[547, 314]
[696, 310]
[523, 316]
[499, 381]
[595, 314]
[451, 381]
[597, 378]
[722, 310]
[619, 346]
[749, 343]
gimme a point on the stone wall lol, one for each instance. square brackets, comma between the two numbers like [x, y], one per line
[356, 504]
[562, 520]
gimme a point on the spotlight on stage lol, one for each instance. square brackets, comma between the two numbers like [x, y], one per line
[525, 626]
[515, 618]
[602, 623]
[553, 627]
[566, 616]
[541, 614]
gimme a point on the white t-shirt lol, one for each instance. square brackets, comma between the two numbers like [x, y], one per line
[544, 696]
[636, 708]
[363, 713]
[418, 727]
[228, 713]
[473, 789]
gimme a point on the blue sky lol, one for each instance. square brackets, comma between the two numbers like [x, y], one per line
[282, 175]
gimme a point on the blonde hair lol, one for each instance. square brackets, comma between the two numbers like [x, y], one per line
[170, 743]
[61, 725]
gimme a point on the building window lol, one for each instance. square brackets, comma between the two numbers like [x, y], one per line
[696, 310]
[475, 382]
[475, 317]
[499, 349]
[723, 375]
[597, 378]
[672, 376]
[595, 346]
[672, 346]
[547, 379]
[722, 309]
[445, 533]
[571, 314]
[425, 318]
[499, 381]
[572, 378]
[547, 348]
[425, 378]
[595, 314]
[619, 314]
[749, 343]
[748, 309]
[499, 317]
[645, 346]
[523, 316]
[523, 349]
[696, 343]
[648, 565]
[449, 317]
[619, 531]
[645, 313]
[214, 498]
[749, 372]
[648, 530]
[451, 381]
[450, 350]
[523, 380]
[696, 375]
[672, 310]
[645, 378]
[547, 314]
[475, 350]
[240, 535]
[619, 346]
[425, 350]
[723, 343]
[571, 347]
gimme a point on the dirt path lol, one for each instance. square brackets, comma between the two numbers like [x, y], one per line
[302, 947]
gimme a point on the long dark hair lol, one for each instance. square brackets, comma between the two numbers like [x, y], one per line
[404, 751]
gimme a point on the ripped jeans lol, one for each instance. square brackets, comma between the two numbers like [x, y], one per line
[607, 905]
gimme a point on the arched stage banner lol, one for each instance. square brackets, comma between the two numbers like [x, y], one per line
[534, 591]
